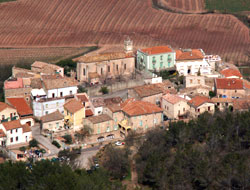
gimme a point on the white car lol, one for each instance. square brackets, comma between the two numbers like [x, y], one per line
[118, 143]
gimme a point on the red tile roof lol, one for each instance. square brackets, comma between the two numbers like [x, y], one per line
[2, 134]
[23, 109]
[231, 72]
[13, 83]
[3, 106]
[172, 98]
[227, 83]
[199, 100]
[54, 116]
[241, 104]
[135, 108]
[157, 50]
[88, 112]
[26, 128]
[82, 97]
[148, 90]
[73, 106]
[189, 55]
[12, 125]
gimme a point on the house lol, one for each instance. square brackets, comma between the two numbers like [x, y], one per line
[23, 109]
[97, 105]
[103, 66]
[192, 62]
[139, 116]
[84, 98]
[148, 93]
[241, 104]
[60, 87]
[199, 105]
[114, 100]
[102, 128]
[193, 80]
[53, 122]
[174, 106]
[156, 58]
[13, 133]
[74, 112]
[7, 113]
[195, 90]
[213, 60]
[229, 88]
[46, 68]
[231, 73]
[15, 87]
[222, 103]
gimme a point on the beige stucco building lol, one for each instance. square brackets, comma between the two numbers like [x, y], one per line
[222, 103]
[174, 106]
[7, 113]
[199, 105]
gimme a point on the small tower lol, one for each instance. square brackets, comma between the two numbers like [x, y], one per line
[128, 45]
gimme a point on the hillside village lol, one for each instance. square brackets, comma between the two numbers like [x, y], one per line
[125, 92]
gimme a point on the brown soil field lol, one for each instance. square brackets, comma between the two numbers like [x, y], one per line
[73, 23]
[193, 6]
[47, 54]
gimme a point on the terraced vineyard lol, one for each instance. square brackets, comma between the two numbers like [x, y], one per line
[71, 23]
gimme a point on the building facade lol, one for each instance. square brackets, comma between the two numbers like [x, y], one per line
[199, 105]
[155, 58]
[7, 113]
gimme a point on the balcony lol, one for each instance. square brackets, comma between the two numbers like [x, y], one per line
[14, 118]
[4, 120]
[124, 126]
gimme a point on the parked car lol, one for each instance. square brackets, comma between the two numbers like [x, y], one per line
[118, 143]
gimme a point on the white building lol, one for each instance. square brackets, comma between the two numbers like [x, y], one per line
[13, 133]
[192, 61]
[46, 106]
[60, 87]
[96, 105]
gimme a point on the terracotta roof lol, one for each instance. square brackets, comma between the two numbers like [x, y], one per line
[157, 50]
[114, 107]
[59, 83]
[88, 112]
[82, 97]
[173, 99]
[103, 57]
[3, 106]
[73, 106]
[99, 119]
[134, 108]
[41, 65]
[53, 76]
[241, 104]
[227, 83]
[114, 100]
[21, 105]
[13, 83]
[26, 128]
[12, 125]
[55, 116]
[215, 100]
[24, 75]
[199, 100]
[93, 75]
[2, 134]
[97, 102]
[147, 90]
[190, 54]
[230, 72]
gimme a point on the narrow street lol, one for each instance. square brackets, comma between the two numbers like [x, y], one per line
[44, 141]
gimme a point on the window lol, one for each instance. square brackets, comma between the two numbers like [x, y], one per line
[179, 112]
[11, 131]
[117, 67]
[199, 81]
[108, 129]
[154, 59]
[84, 72]
[235, 91]
[3, 117]
[46, 105]
[115, 127]
[61, 94]
[153, 66]
[115, 119]
[198, 110]
[46, 112]
[70, 92]
[98, 130]
[53, 95]
[226, 104]
[161, 57]
[125, 66]
[26, 138]
[155, 120]
[16, 130]
[11, 139]
[57, 104]
[167, 107]
[108, 68]
[16, 139]
[101, 71]
[183, 109]
[57, 125]
[161, 64]
[208, 108]
[218, 104]
[141, 123]
[191, 81]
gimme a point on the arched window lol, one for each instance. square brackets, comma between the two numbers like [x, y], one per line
[84, 72]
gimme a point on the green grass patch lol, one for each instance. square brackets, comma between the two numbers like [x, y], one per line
[2, 1]
[228, 6]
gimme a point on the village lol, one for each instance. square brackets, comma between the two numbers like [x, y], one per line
[112, 94]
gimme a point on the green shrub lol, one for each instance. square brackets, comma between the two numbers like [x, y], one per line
[104, 90]
[23, 148]
[33, 143]
[56, 144]
[68, 139]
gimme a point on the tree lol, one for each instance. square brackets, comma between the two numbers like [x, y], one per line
[212, 94]
[68, 139]
[23, 148]
[33, 143]
[104, 90]
[56, 144]
[81, 89]
[84, 132]
[116, 162]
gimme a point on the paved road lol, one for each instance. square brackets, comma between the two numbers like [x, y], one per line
[44, 141]
[83, 160]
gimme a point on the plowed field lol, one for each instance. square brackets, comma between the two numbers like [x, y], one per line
[68, 23]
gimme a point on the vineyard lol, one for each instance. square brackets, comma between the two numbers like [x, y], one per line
[74, 23]
[193, 6]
